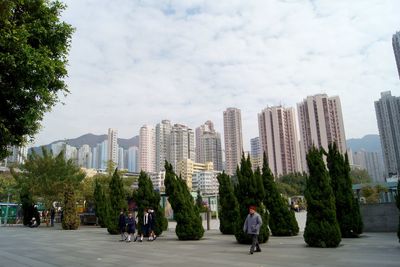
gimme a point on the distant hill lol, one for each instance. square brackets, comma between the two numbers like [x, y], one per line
[92, 140]
[370, 143]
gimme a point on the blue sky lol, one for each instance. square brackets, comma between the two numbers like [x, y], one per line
[138, 62]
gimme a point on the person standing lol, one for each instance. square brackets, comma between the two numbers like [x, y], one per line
[131, 226]
[252, 227]
[152, 224]
[145, 225]
[122, 225]
[52, 216]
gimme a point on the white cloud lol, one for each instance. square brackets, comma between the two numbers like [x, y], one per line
[137, 62]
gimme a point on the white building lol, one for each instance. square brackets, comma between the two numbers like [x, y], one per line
[279, 141]
[208, 145]
[163, 144]
[206, 182]
[147, 149]
[321, 123]
[113, 146]
[233, 139]
[182, 144]
[85, 157]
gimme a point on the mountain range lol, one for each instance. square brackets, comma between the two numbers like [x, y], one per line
[92, 140]
[369, 142]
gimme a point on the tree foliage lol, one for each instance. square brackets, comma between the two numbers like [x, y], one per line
[117, 202]
[339, 172]
[46, 175]
[101, 204]
[70, 219]
[146, 197]
[322, 228]
[189, 224]
[34, 45]
[249, 191]
[360, 176]
[228, 206]
[292, 184]
[282, 220]
[372, 193]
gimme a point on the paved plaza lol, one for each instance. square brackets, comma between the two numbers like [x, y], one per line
[93, 246]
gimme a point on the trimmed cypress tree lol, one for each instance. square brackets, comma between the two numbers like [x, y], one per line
[117, 202]
[348, 217]
[398, 206]
[249, 191]
[28, 209]
[146, 197]
[228, 206]
[189, 224]
[282, 220]
[101, 203]
[322, 228]
[70, 216]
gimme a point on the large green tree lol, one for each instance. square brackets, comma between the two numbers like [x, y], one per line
[249, 191]
[101, 204]
[322, 228]
[117, 202]
[146, 197]
[188, 221]
[282, 220]
[228, 206]
[339, 173]
[46, 175]
[34, 44]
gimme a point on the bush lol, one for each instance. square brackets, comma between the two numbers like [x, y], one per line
[322, 228]
[189, 224]
[282, 220]
[249, 191]
[146, 197]
[117, 202]
[228, 206]
[70, 217]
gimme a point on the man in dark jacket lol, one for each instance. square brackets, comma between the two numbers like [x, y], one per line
[252, 227]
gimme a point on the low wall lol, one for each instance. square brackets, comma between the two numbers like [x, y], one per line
[382, 217]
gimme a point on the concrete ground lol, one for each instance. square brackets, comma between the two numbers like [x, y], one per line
[93, 246]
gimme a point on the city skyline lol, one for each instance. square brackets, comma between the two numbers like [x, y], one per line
[199, 58]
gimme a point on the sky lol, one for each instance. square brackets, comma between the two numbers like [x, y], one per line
[137, 62]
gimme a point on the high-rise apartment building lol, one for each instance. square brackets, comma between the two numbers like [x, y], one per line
[121, 159]
[396, 49]
[147, 149]
[371, 162]
[18, 155]
[208, 145]
[102, 153]
[256, 153]
[321, 123]
[133, 159]
[85, 156]
[182, 144]
[279, 141]
[163, 144]
[113, 146]
[387, 110]
[233, 139]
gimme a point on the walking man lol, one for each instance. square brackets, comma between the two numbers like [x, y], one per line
[252, 227]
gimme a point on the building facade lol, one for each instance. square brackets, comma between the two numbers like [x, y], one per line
[208, 145]
[278, 139]
[185, 168]
[256, 153]
[233, 139]
[85, 156]
[370, 161]
[321, 123]
[182, 144]
[387, 110]
[163, 144]
[133, 159]
[113, 146]
[206, 182]
[147, 149]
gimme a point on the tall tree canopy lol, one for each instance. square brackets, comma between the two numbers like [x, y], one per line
[34, 45]
[228, 206]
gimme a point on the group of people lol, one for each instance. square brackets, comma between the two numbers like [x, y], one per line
[127, 226]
